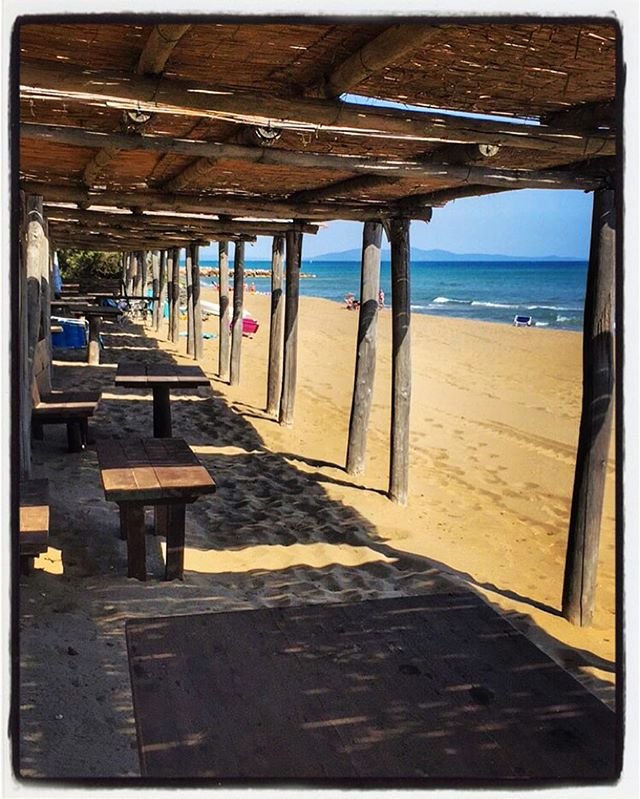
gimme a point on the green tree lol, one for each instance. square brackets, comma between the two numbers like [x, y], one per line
[76, 264]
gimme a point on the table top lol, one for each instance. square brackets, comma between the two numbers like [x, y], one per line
[85, 308]
[431, 687]
[151, 469]
[131, 374]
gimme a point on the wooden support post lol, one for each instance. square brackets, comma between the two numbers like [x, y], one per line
[290, 360]
[93, 344]
[124, 261]
[366, 354]
[162, 288]
[24, 364]
[274, 379]
[36, 254]
[401, 366]
[224, 345]
[174, 310]
[238, 307]
[137, 273]
[46, 291]
[189, 277]
[578, 595]
[155, 288]
[197, 308]
[170, 294]
[143, 273]
[132, 268]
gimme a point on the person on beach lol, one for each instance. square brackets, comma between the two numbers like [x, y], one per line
[351, 302]
[381, 299]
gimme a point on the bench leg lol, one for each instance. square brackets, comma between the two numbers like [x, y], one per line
[37, 430]
[87, 434]
[26, 564]
[175, 542]
[161, 412]
[132, 523]
[74, 435]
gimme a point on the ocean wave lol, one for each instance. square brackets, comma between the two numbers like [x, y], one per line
[481, 304]
[445, 300]
[552, 308]
[541, 324]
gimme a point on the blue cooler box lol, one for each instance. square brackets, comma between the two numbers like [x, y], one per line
[74, 333]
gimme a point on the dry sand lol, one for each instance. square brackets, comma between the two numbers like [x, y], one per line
[494, 423]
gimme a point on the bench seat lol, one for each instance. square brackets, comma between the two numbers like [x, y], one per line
[50, 406]
[34, 521]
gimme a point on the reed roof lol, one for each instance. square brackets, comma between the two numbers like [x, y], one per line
[214, 82]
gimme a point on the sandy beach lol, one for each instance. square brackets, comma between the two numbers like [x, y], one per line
[494, 425]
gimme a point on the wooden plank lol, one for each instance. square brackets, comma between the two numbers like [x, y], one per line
[238, 305]
[578, 598]
[429, 688]
[366, 350]
[224, 335]
[274, 376]
[401, 361]
[290, 358]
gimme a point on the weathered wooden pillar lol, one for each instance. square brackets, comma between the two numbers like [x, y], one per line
[290, 360]
[238, 307]
[137, 273]
[46, 290]
[224, 334]
[36, 255]
[366, 354]
[197, 308]
[189, 278]
[162, 280]
[174, 308]
[401, 365]
[124, 260]
[155, 288]
[143, 272]
[132, 268]
[578, 594]
[274, 379]
[24, 365]
[170, 294]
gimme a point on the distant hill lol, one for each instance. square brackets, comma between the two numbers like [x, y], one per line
[437, 255]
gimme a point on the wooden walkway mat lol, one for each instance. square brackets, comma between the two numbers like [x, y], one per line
[436, 688]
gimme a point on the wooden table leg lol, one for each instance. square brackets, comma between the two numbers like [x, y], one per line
[74, 435]
[132, 519]
[175, 542]
[161, 520]
[161, 412]
[93, 345]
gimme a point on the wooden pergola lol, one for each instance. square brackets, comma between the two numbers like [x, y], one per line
[137, 137]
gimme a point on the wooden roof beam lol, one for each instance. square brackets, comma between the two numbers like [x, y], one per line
[584, 117]
[392, 45]
[174, 223]
[159, 46]
[58, 82]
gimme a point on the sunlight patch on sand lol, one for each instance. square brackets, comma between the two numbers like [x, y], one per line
[209, 449]
[276, 557]
[50, 561]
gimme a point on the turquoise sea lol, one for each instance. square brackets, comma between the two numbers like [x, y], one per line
[551, 292]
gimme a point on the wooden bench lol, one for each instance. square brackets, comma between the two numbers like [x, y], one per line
[34, 521]
[107, 286]
[162, 472]
[72, 408]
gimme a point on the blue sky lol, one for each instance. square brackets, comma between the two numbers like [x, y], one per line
[525, 223]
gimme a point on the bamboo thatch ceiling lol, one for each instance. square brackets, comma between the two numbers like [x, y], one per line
[207, 82]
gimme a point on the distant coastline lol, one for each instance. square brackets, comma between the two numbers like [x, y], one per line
[418, 255]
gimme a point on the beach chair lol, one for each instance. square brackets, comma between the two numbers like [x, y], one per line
[522, 321]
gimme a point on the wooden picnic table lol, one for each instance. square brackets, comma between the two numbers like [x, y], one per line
[94, 315]
[161, 378]
[424, 689]
[156, 471]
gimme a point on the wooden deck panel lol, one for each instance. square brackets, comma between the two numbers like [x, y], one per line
[425, 688]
